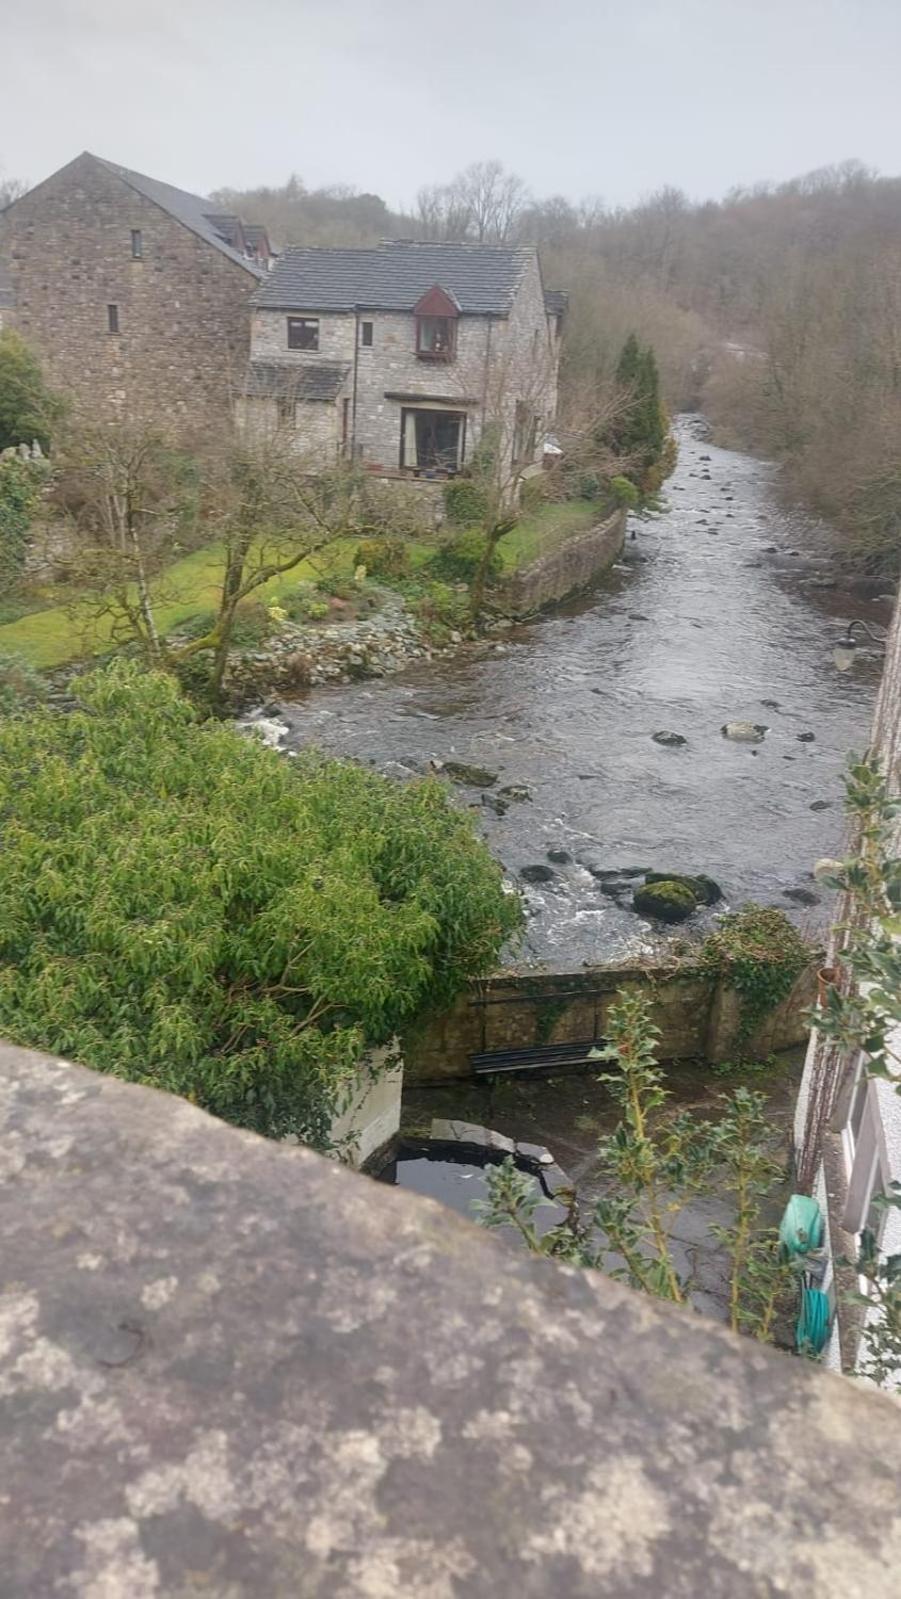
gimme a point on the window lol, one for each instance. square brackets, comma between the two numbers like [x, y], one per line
[287, 411]
[435, 338]
[432, 441]
[137, 244]
[366, 335]
[112, 318]
[303, 333]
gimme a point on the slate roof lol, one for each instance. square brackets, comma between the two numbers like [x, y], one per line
[322, 381]
[483, 279]
[192, 210]
[555, 301]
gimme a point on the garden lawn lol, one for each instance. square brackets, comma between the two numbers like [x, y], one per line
[542, 530]
[60, 634]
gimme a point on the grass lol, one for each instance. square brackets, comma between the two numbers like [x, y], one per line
[61, 633]
[545, 528]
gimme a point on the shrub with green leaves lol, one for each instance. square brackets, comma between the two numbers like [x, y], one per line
[624, 491]
[386, 558]
[441, 610]
[459, 558]
[184, 908]
[20, 685]
[465, 502]
[28, 409]
[21, 486]
[761, 955]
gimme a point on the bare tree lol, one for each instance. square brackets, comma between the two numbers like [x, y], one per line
[481, 205]
[11, 189]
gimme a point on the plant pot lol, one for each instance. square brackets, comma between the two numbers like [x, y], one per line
[827, 977]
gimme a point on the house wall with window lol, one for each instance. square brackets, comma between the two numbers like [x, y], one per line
[132, 314]
[847, 1131]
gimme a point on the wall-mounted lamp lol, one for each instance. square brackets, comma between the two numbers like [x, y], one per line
[845, 652]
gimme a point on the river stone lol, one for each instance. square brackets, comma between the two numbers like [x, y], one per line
[744, 732]
[539, 873]
[807, 738]
[671, 740]
[771, 705]
[821, 805]
[636, 616]
[801, 896]
[705, 889]
[561, 857]
[472, 776]
[535, 1152]
[515, 791]
[666, 901]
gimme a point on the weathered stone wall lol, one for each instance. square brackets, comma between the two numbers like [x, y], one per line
[315, 436]
[235, 1368]
[572, 566]
[499, 360]
[697, 1016]
[183, 308]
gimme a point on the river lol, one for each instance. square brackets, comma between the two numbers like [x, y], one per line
[714, 611]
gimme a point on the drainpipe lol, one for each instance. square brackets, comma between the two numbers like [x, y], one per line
[353, 407]
[485, 378]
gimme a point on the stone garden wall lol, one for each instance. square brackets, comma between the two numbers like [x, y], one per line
[698, 1017]
[573, 566]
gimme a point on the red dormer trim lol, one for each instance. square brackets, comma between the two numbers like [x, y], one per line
[436, 302]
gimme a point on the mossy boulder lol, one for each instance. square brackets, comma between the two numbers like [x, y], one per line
[705, 890]
[472, 776]
[665, 900]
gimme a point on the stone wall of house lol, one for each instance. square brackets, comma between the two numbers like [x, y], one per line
[499, 361]
[315, 436]
[183, 307]
[697, 1016]
[573, 566]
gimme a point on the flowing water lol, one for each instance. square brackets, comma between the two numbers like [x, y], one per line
[717, 608]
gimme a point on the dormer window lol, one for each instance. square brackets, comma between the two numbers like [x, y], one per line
[436, 325]
[435, 337]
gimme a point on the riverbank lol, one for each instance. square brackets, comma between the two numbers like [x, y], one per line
[710, 617]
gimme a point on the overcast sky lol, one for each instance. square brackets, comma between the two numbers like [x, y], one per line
[581, 97]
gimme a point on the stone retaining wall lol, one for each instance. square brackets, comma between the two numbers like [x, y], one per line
[697, 1015]
[573, 566]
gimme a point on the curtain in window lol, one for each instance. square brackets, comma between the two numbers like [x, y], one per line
[411, 456]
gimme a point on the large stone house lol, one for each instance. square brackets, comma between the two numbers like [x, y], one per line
[134, 294]
[401, 356]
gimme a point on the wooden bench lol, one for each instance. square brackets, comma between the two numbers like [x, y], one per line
[538, 1057]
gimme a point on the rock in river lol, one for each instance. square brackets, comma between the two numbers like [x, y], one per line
[744, 732]
[472, 776]
[671, 740]
[666, 901]
[705, 890]
[539, 873]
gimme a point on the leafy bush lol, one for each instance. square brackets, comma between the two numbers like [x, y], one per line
[20, 685]
[458, 560]
[624, 491]
[21, 485]
[252, 625]
[28, 410]
[441, 610]
[465, 502]
[761, 955]
[304, 604]
[383, 557]
[184, 908]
